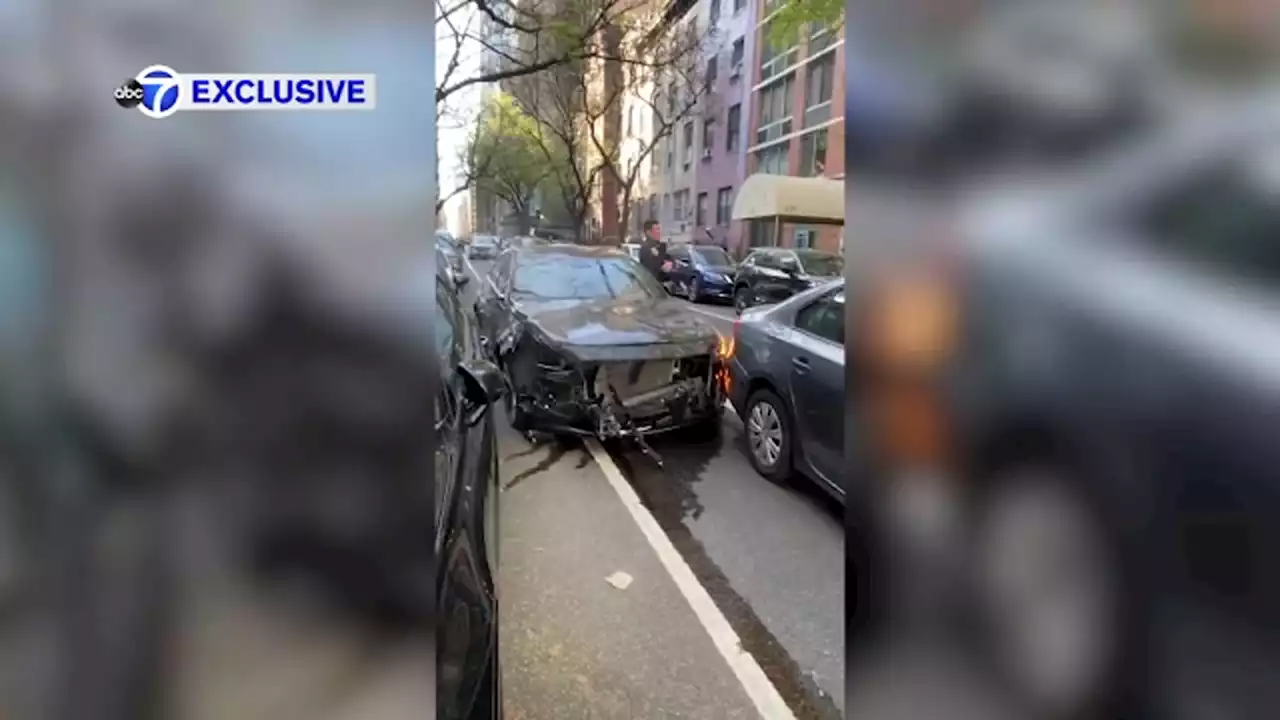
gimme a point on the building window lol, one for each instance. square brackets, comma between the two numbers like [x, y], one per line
[813, 154]
[732, 127]
[724, 198]
[708, 138]
[671, 100]
[739, 51]
[817, 91]
[715, 11]
[775, 110]
[653, 207]
[803, 238]
[773, 159]
[774, 60]
[687, 155]
[701, 217]
[821, 37]
[739, 6]
[711, 72]
[678, 214]
[666, 207]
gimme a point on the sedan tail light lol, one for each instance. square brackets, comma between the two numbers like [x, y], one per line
[911, 335]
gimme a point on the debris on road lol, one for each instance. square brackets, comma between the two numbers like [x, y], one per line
[620, 580]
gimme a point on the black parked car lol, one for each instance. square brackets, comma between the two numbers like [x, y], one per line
[591, 344]
[771, 275]
[1103, 360]
[786, 375]
[700, 272]
[466, 541]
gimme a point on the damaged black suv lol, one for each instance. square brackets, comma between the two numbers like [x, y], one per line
[591, 345]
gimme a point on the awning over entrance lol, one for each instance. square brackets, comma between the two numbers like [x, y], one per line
[790, 199]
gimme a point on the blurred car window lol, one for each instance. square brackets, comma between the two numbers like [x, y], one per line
[1226, 219]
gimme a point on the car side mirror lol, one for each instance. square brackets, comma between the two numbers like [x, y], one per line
[482, 385]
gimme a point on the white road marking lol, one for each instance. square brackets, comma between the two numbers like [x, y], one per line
[744, 666]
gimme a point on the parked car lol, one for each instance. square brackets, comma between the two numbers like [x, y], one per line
[771, 275]
[466, 497]
[483, 247]
[700, 272]
[591, 344]
[448, 247]
[1099, 363]
[786, 382]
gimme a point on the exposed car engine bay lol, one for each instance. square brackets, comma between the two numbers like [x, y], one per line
[608, 392]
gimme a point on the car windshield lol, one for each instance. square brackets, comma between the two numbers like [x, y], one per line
[553, 276]
[444, 241]
[484, 241]
[822, 264]
[713, 256]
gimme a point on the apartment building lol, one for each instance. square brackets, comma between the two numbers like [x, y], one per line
[796, 116]
[722, 128]
[674, 168]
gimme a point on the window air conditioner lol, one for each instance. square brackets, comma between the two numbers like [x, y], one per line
[706, 153]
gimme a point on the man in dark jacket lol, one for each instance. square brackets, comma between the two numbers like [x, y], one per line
[653, 252]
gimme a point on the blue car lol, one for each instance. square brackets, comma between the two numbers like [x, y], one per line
[700, 272]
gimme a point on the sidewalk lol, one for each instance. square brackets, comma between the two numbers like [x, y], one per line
[573, 646]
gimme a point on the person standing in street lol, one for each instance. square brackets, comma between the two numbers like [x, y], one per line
[653, 252]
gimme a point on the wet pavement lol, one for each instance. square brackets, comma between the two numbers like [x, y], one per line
[771, 558]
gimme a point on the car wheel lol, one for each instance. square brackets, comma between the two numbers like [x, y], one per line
[695, 291]
[1049, 591]
[741, 299]
[768, 434]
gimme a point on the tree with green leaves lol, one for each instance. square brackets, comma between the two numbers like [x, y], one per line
[504, 156]
[794, 18]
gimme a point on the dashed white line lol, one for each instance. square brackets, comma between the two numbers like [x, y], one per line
[763, 694]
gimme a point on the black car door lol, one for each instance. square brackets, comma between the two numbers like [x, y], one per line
[1213, 242]
[466, 476]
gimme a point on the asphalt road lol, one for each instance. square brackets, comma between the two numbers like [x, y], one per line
[771, 559]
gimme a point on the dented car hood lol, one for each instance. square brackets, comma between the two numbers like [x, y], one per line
[610, 330]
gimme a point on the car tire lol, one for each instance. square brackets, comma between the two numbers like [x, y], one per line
[766, 418]
[695, 291]
[741, 299]
[1033, 521]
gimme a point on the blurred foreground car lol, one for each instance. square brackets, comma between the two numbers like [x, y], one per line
[771, 275]
[466, 541]
[1111, 358]
[700, 272]
[592, 345]
[786, 372]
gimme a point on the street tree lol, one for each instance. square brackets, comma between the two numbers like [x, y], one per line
[519, 38]
[666, 92]
[794, 17]
[581, 105]
[503, 156]
[555, 100]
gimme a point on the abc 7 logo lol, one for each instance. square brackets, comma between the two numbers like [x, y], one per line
[129, 95]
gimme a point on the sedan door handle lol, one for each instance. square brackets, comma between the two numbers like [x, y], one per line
[801, 364]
